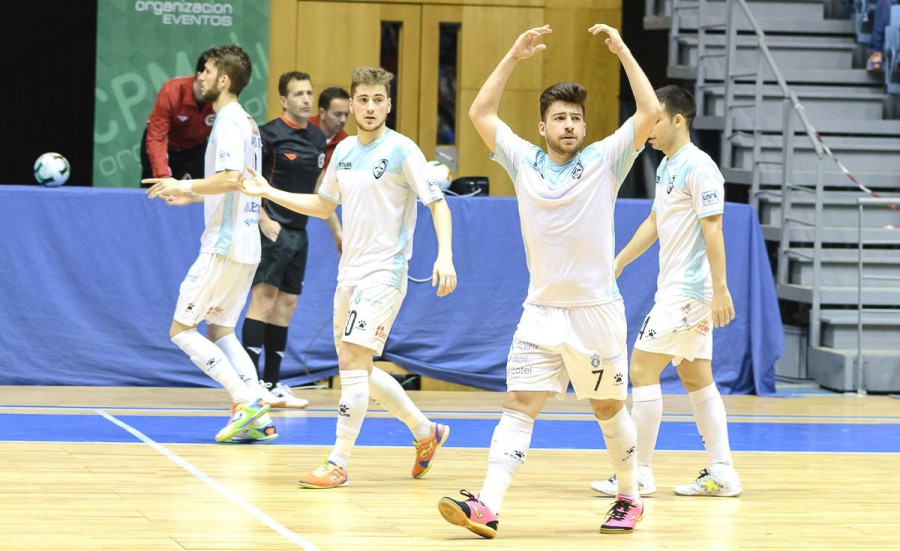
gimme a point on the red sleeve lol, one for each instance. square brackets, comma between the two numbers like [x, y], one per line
[158, 131]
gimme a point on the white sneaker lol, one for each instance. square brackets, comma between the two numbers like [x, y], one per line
[288, 398]
[610, 487]
[717, 481]
[269, 397]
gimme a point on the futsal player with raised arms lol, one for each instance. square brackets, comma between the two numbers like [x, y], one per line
[573, 322]
[377, 177]
[691, 298]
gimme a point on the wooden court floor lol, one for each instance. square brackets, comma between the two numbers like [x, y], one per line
[74, 490]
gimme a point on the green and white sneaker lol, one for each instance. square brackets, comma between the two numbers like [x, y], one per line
[242, 414]
[262, 429]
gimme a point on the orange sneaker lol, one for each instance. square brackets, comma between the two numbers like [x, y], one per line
[426, 448]
[328, 475]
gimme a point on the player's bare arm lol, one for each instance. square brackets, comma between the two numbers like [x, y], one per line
[648, 107]
[304, 203]
[444, 274]
[722, 306]
[220, 182]
[483, 111]
[333, 222]
[644, 237]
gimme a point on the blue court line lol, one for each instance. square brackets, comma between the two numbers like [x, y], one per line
[454, 413]
[466, 433]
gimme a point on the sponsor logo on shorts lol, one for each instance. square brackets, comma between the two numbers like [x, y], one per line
[524, 371]
[703, 328]
[611, 359]
[214, 310]
[710, 198]
[361, 325]
[190, 307]
[523, 346]
[380, 333]
[619, 379]
[595, 360]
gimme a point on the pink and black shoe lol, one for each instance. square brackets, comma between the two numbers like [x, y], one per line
[623, 516]
[471, 514]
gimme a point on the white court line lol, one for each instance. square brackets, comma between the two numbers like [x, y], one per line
[215, 485]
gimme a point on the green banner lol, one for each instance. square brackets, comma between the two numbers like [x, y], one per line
[140, 45]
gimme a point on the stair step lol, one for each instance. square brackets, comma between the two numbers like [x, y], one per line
[790, 52]
[791, 75]
[829, 294]
[831, 178]
[857, 126]
[846, 234]
[771, 25]
[854, 152]
[884, 317]
[848, 256]
[837, 209]
[829, 198]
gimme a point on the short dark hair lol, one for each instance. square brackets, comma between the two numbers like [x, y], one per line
[677, 101]
[328, 94]
[201, 61]
[231, 60]
[371, 76]
[569, 92]
[286, 79]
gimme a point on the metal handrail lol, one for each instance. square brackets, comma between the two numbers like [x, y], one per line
[860, 362]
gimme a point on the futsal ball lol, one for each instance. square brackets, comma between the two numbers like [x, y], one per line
[440, 172]
[51, 169]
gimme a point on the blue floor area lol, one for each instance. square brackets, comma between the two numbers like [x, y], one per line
[467, 433]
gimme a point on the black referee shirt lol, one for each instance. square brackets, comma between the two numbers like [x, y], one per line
[292, 160]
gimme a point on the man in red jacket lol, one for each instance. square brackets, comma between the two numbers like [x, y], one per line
[334, 107]
[174, 141]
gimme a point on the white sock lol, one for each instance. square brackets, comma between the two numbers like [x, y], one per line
[509, 446]
[351, 413]
[712, 423]
[646, 410]
[240, 361]
[620, 436]
[385, 390]
[213, 362]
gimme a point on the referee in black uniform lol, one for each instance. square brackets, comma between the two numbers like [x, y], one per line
[293, 156]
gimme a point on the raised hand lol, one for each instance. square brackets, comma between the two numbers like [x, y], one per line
[526, 45]
[613, 41]
[256, 186]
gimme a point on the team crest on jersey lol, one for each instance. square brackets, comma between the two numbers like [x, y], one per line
[321, 160]
[578, 170]
[379, 168]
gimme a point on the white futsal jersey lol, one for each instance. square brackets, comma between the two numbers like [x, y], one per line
[232, 218]
[689, 187]
[566, 213]
[377, 185]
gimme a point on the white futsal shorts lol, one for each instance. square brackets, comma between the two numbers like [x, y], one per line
[584, 344]
[215, 289]
[678, 326]
[364, 315]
